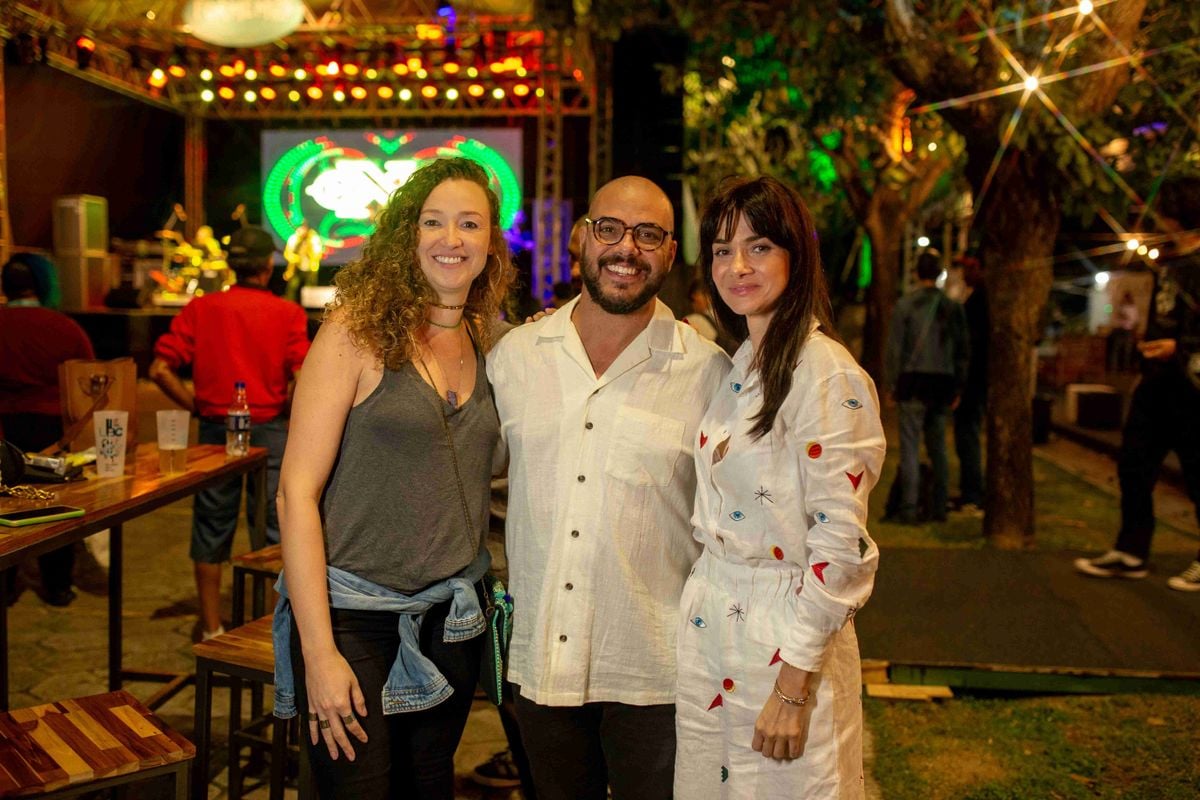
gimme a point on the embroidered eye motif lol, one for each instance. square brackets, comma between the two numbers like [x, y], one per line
[699, 622]
[737, 387]
[737, 516]
[822, 517]
[852, 404]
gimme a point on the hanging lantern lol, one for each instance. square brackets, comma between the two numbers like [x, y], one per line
[242, 23]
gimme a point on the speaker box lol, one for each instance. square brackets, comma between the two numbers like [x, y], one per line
[86, 280]
[80, 226]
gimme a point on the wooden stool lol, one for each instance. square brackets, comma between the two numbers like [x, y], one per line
[86, 744]
[261, 566]
[244, 653]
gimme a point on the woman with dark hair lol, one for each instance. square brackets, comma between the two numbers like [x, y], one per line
[383, 497]
[768, 703]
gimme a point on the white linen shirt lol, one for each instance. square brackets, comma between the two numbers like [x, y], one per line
[797, 497]
[601, 487]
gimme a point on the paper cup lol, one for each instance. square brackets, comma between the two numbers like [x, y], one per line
[110, 429]
[173, 427]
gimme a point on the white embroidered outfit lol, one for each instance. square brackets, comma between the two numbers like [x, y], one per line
[787, 561]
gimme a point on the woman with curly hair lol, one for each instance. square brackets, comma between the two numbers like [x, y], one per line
[383, 496]
[768, 702]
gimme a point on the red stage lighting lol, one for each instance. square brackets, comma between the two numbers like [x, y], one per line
[84, 47]
[177, 70]
[157, 79]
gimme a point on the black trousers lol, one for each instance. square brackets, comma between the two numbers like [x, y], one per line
[577, 752]
[1164, 415]
[408, 755]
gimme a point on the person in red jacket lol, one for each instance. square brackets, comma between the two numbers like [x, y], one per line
[243, 334]
[33, 341]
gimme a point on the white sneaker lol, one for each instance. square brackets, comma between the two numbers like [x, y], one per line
[1113, 564]
[1188, 580]
[206, 635]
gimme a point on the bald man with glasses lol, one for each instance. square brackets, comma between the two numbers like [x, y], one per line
[599, 408]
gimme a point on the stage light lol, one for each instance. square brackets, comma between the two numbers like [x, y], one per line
[405, 95]
[1153, 254]
[251, 74]
[922, 241]
[150, 15]
[250, 96]
[339, 95]
[428, 33]
[277, 70]
[371, 73]
[577, 74]
[450, 68]
[1143, 250]
[498, 93]
[350, 69]
[422, 74]
[496, 66]
[472, 72]
[1031, 83]
[522, 72]
[1101, 279]
[358, 93]
[521, 89]
[157, 79]
[315, 93]
[84, 47]
[226, 92]
[932, 146]
[227, 71]
[728, 61]
[386, 92]
[539, 92]
[333, 68]
[400, 69]
[452, 94]
[475, 90]
[239, 65]
[428, 92]
[206, 74]
[267, 93]
[1086, 7]
[414, 63]
[294, 96]
[1132, 244]
[300, 74]
[177, 71]
[207, 95]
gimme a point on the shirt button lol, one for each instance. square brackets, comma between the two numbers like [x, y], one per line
[587, 425]
[569, 586]
[574, 534]
[562, 638]
[581, 479]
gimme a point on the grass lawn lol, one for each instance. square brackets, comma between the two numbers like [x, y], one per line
[1139, 747]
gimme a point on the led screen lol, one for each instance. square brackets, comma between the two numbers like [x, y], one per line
[337, 179]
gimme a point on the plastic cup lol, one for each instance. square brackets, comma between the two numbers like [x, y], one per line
[173, 427]
[110, 427]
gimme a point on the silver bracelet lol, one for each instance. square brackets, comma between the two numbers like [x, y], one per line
[791, 701]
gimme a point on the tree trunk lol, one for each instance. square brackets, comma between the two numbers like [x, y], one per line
[885, 237]
[1019, 224]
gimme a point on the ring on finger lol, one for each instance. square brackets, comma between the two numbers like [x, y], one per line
[323, 724]
[348, 719]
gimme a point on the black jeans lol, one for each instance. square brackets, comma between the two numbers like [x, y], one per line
[1162, 417]
[409, 755]
[576, 752]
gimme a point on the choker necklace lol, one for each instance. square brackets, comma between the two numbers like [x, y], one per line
[442, 325]
[449, 308]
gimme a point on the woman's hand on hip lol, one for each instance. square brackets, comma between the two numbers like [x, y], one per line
[782, 727]
[335, 703]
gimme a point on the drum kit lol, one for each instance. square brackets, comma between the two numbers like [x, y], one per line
[191, 269]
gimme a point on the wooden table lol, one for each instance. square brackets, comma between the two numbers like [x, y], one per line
[109, 503]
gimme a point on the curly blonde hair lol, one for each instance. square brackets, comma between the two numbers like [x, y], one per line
[384, 297]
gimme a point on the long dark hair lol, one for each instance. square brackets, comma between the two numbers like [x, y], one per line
[775, 211]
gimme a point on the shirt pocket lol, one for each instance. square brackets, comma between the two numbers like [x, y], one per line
[645, 448]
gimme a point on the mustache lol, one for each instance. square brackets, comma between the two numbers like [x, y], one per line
[629, 261]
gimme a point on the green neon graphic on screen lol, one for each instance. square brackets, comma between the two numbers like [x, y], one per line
[336, 180]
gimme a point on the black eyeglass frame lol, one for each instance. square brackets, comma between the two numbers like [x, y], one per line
[626, 229]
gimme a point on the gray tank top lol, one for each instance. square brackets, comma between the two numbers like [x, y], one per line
[392, 511]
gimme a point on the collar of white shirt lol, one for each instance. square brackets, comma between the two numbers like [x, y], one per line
[662, 333]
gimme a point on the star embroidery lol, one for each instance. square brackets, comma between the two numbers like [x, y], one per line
[737, 613]
[763, 494]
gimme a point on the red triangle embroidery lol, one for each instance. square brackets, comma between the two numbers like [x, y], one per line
[703, 438]
[855, 480]
[717, 701]
[775, 659]
[819, 570]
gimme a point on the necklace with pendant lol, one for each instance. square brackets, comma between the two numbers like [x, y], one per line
[451, 392]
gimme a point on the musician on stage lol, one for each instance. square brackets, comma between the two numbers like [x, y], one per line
[303, 255]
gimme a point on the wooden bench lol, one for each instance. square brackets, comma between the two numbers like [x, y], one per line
[87, 744]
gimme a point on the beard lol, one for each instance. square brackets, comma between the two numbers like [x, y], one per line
[619, 304]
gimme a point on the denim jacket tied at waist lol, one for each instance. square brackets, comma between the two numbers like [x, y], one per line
[414, 683]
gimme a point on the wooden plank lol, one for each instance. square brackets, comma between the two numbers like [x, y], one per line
[90, 726]
[135, 721]
[76, 768]
[874, 671]
[895, 691]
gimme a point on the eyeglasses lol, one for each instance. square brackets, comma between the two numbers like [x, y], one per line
[609, 230]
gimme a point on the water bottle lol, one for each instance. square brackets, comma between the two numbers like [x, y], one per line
[237, 423]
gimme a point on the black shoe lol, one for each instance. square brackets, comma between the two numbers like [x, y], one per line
[1113, 564]
[59, 597]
